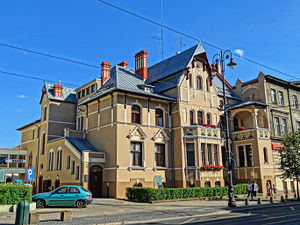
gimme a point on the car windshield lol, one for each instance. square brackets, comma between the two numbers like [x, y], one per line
[85, 189]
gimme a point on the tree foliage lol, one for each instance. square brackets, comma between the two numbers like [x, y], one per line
[290, 158]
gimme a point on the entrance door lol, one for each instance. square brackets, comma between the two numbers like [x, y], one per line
[40, 184]
[95, 181]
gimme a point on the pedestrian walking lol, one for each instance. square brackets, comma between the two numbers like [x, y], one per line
[274, 190]
[254, 190]
[249, 189]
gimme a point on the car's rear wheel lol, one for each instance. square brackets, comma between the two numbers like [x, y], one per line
[40, 203]
[80, 204]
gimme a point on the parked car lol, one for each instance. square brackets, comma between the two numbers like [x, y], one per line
[64, 196]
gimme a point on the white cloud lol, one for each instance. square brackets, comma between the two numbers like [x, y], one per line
[239, 52]
[22, 96]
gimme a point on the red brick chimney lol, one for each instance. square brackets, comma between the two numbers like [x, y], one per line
[105, 71]
[58, 90]
[123, 64]
[141, 64]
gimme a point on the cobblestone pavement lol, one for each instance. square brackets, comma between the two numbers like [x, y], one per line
[105, 211]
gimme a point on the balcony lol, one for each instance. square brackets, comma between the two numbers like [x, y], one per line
[251, 133]
[202, 131]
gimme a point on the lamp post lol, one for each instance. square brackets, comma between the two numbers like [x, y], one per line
[230, 162]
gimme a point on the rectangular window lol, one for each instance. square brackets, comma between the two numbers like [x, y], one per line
[190, 154]
[68, 162]
[241, 156]
[88, 91]
[77, 173]
[160, 155]
[136, 154]
[93, 88]
[33, 134]
[72, 167]
[45, 114]
[78, 95]
[273, 96]
[209, 156]
[284, 126]
[216, 156]
[295, 101]
[280, 96]
[83, 93]
[203, 154]
[249, 155]
[277, 126]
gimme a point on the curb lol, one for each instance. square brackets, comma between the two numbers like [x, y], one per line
[13, 208]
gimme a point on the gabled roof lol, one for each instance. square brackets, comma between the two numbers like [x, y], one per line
[29, 124]
[68, 94]
[125, 79]
[82, 144]
[173, 64]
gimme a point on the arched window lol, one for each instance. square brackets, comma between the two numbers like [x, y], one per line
[199, 82]
[45, 114]
[191, 117]
[217, 184]
[207, 84]
[208, 118]
[200, 117]
[30, 160]
[43, 143]
[190, 80]
[159, 119]
[58, 160]
[266, 160]
[50, 161]
[136, 114]
[207, 184]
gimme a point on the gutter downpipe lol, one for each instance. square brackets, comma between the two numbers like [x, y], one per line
[37, 162]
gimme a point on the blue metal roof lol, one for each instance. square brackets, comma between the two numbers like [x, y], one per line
[173, 64]
[218, 82]
[245, 103]
[68, 94]
[82, 144]
[125, 79]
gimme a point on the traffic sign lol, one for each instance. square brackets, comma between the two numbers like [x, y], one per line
[29, 173]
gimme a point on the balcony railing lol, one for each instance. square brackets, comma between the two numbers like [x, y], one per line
[251, 133]
[199, 130]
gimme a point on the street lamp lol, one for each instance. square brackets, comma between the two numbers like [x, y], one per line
[230, 162]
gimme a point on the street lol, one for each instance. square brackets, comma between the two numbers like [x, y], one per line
[274, 215]
[107, 211]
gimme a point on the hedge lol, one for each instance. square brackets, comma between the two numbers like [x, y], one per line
[150, 194]
[11, 194]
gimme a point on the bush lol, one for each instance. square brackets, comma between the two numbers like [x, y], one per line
[150, 194]
[11, 194]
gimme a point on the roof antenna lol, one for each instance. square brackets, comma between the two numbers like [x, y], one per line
[59, 82]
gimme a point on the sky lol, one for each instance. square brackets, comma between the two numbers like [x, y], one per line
[89, 31]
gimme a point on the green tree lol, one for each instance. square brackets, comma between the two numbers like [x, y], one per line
[290, 158]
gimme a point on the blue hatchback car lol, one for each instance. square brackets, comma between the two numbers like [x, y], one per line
[64, 196]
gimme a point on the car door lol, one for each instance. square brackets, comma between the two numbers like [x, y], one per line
[57, 198]
[73, 195]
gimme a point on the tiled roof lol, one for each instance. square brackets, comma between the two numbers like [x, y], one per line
[82, 144]
[68, 94]
[125, 79]
[218, 82]
[173, 64]
[167, 82]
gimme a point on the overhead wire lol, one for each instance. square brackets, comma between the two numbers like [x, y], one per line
[194, 38]
[34, 77]
[48, 55]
